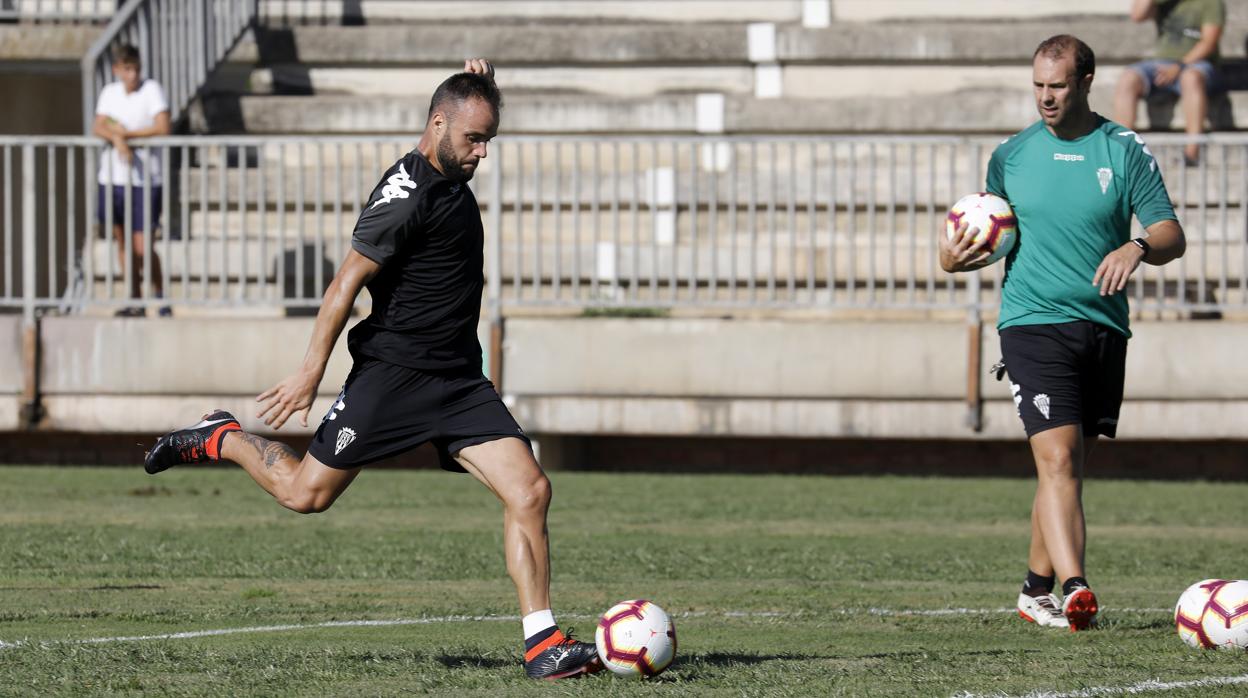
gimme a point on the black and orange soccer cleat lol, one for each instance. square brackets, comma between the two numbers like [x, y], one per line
[561, 657]
[194, 444]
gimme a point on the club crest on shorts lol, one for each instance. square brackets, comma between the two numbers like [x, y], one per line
[346, 435]
[1041, 401]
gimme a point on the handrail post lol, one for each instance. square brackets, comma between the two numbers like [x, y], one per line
[495, 279]
[974, 320]
[31, 410]
[29, 253]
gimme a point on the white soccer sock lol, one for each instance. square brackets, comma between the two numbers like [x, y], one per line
[537, 621]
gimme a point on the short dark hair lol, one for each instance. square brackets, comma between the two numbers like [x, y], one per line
[464, 86]
[1058, 46]
[126, 53]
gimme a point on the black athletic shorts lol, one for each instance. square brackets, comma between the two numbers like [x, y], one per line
[385, 409]
[1069, 373]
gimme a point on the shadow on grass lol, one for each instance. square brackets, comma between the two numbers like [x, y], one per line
[720, 659]
[454, 661]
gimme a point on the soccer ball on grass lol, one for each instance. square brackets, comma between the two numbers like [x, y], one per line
[1214, 613]
[636, 638]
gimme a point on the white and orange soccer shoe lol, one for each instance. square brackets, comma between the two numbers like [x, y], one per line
[1044, 611]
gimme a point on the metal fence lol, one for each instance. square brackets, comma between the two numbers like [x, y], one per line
[180, 41]
[766, 222]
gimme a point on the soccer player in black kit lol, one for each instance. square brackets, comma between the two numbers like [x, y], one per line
[416, 375]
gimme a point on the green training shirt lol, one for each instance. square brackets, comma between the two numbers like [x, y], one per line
[1074, 201]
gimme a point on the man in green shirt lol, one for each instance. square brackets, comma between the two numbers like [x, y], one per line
[1074, 180]
[1185, 64]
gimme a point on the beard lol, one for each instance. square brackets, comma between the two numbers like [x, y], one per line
[452, 167]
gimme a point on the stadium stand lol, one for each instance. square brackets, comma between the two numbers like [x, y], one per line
[609, 107]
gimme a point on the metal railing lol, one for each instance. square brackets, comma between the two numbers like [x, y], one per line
[767, 222]
[180, 43]
[58, 11]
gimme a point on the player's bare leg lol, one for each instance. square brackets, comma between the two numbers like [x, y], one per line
[1037, 602]
[1059, 488]
[1038, 559]
[1195, 108]
[506, 466]
[1127, 95]
[305, 484]
[1059, 454]
[302, 484]
[508, 469]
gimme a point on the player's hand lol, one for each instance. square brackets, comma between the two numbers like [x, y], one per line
[1116, 268]
[961, 252]
[1167, 74]
[295, 394]
[480, 66]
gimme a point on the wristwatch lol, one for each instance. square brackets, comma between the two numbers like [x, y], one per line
[1142, 244]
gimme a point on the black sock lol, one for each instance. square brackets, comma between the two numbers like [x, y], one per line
[1071, 584]
[531, 642]
[1035, 585]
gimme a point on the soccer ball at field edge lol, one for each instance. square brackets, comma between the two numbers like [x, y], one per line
[1214, 613]
[991, 216]
[636, 638]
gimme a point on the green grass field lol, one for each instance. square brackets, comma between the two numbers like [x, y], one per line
[779, 585]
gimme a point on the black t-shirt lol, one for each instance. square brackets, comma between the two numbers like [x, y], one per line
[425, 232]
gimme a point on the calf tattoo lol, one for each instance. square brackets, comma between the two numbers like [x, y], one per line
[270, 451]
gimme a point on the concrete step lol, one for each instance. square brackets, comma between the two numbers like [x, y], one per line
[992, 110]
[46, 42]
[442, 45]
[618, 81]
[507, 11]
[974, 10]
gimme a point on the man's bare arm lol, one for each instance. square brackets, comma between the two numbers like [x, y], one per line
[1166, 243]
[296, 393]
[1142, 10]
[1210, 35]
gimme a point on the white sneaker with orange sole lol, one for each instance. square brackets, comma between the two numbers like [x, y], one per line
[1044, 611]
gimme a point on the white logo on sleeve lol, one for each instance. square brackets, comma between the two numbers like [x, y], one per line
[1104, 175]
[1041, 401]
[1152, 161]
[345, 436]
[394, 187]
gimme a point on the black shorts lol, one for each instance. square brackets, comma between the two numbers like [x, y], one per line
[384, 410]
[1069, 373]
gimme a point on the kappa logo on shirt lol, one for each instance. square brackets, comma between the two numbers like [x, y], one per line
[394, 187]
[1068, 157]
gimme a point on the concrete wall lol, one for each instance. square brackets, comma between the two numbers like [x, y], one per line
[11, 376]
[711, 377]
[824, 379]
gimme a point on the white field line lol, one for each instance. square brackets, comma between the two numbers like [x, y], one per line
[1150, 686]
[435, 620]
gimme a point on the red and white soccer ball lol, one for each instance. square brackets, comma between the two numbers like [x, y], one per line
[1214, 613]
[991, 216]
[636, 638]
